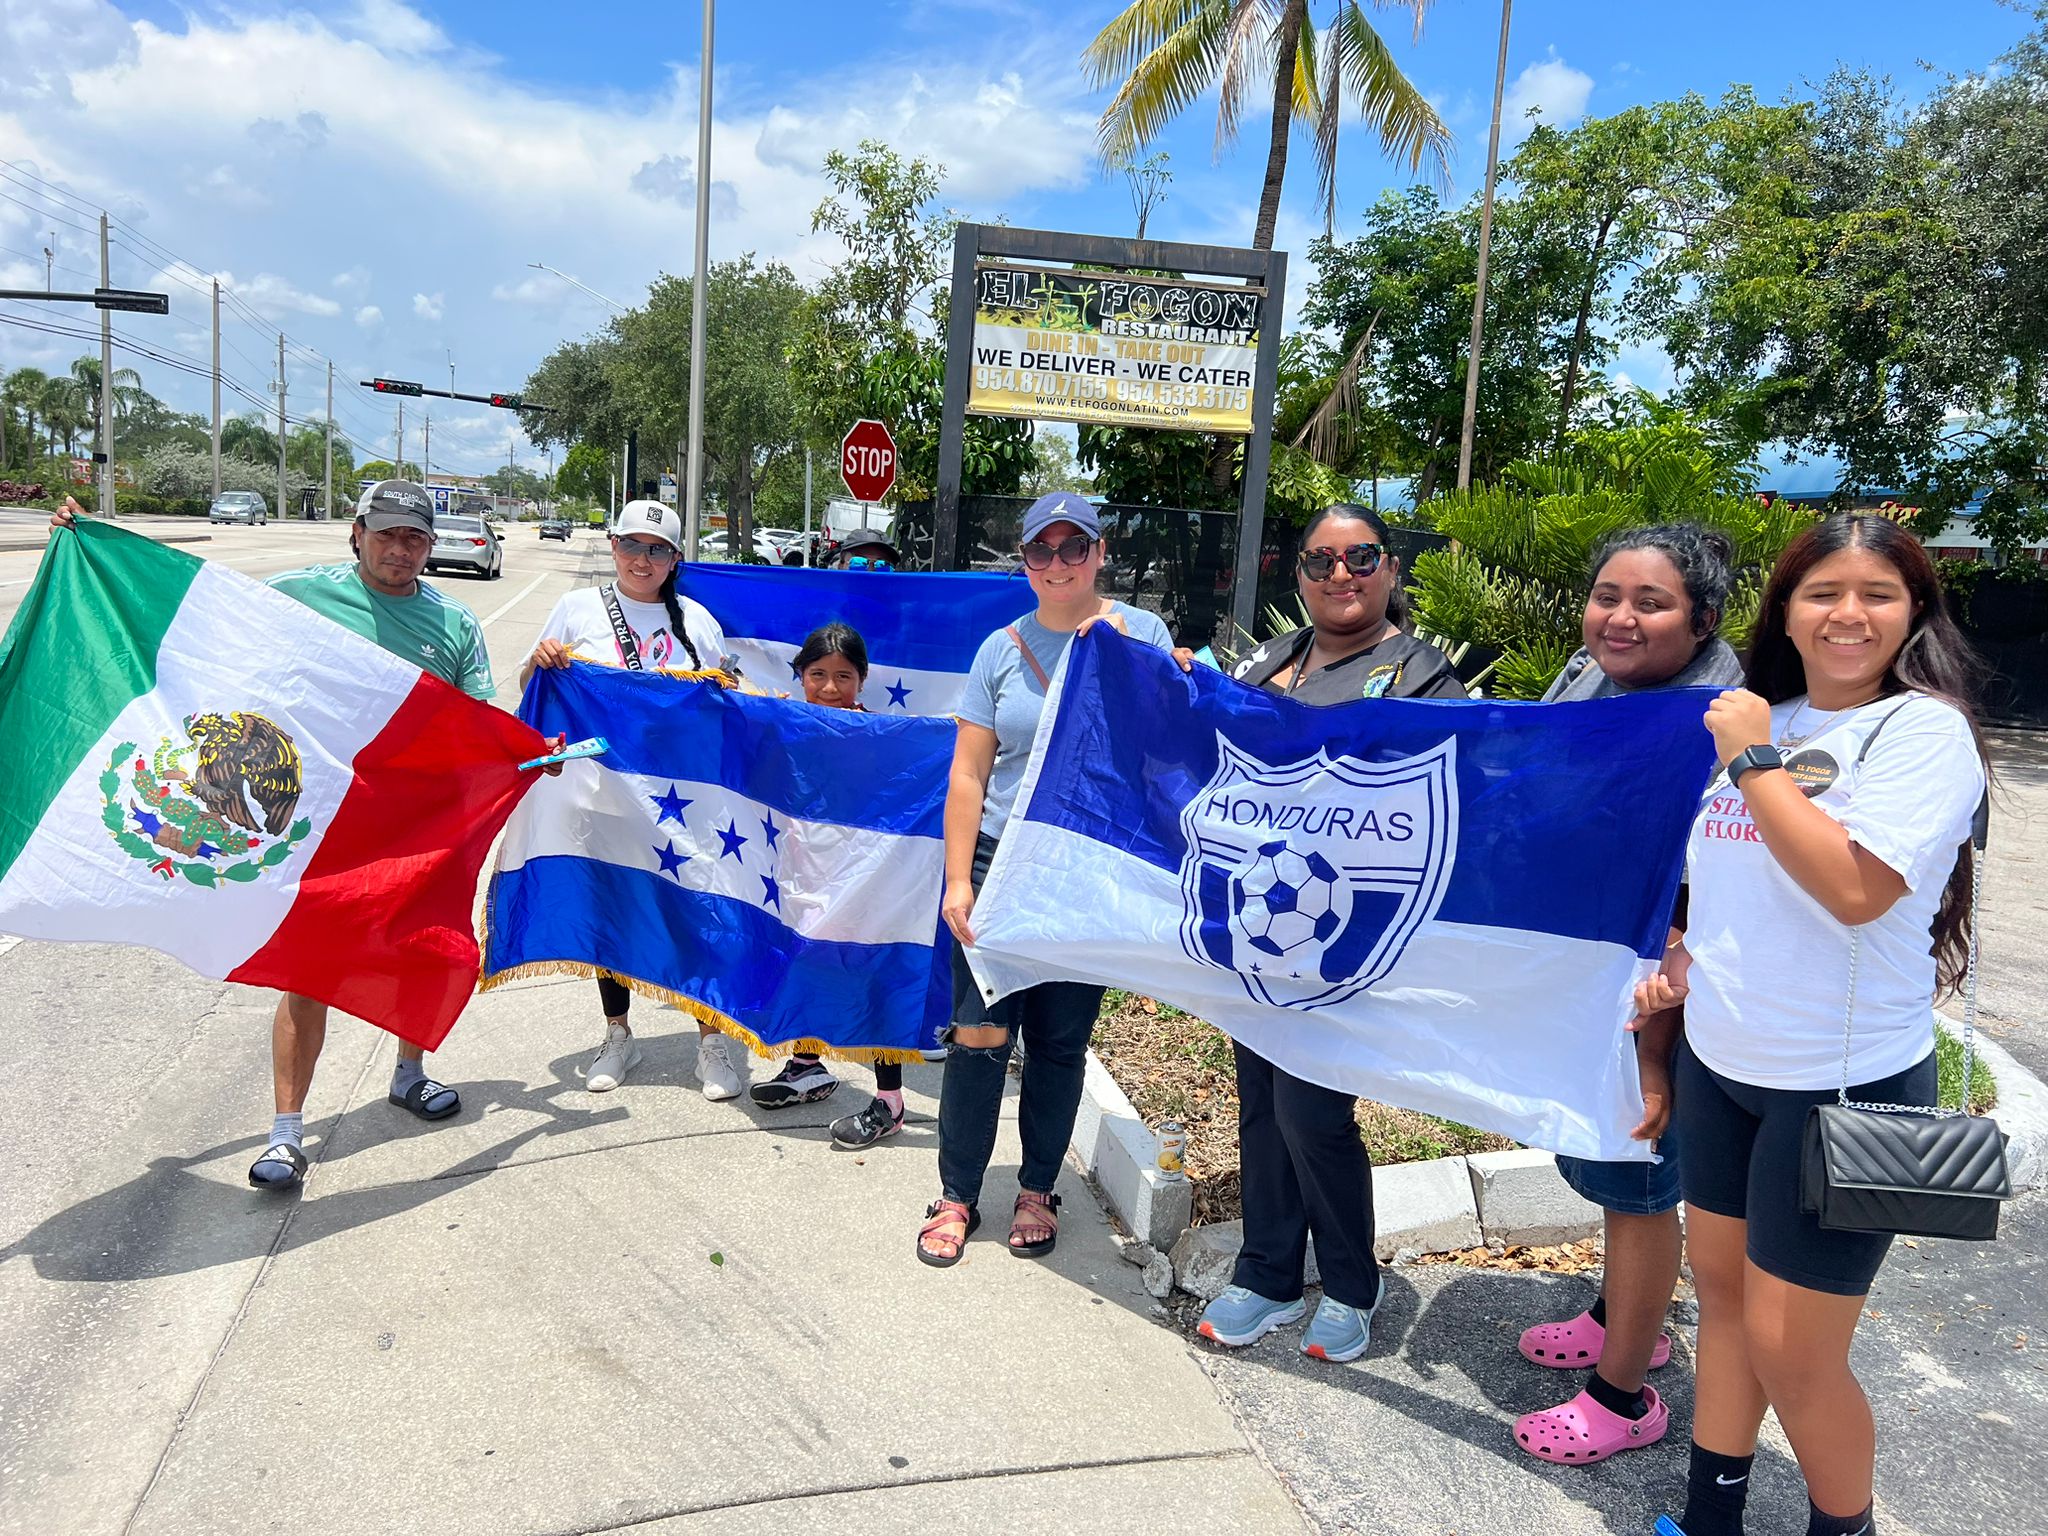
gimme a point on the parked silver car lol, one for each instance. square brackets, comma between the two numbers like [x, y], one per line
[466, 543]
[239, 507]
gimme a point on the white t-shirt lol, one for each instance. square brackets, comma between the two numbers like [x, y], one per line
[1770, 973]
[581, 624]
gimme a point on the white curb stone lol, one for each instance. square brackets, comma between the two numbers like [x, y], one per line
[1204, 1258]
[1428, 1207]
[1521, 1199]
[1119, 1152]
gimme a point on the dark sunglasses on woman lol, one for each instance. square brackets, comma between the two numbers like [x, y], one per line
[1072, 550]
[863, 563]
[1359, 560]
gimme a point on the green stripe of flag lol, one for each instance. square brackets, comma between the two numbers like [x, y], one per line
[82, 646]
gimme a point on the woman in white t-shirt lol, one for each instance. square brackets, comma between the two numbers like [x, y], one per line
[639, 620]
[1851, 771]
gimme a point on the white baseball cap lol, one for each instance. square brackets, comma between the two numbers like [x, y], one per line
[650, 517]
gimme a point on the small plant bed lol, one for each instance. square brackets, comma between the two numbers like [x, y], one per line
[1550, 1259]
[1948, 1067]
[1174, 1066]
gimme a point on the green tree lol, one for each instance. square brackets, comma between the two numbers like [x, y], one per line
[1164, 55]
[21, 396]
[518, 481]
[585, 473]
[246, 437]
[1053, 467]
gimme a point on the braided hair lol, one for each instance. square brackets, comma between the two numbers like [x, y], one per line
[674, 605]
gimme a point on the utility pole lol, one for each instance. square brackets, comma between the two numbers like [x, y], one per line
[216, 389]
[398, 464]
[328, 504]
[694, 505]
[280, 426]
[1500, 81]
[427, 451]
[106, 382]
[50, 264]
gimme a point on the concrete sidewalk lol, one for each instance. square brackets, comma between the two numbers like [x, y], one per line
[563, 1312]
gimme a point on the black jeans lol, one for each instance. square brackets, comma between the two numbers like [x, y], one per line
[1304, 1169]
[614, 998]
[1056, 1018]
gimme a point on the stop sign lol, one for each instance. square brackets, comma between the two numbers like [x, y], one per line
[867, 460]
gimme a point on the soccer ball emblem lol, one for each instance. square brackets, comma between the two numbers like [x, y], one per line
[1283, 899]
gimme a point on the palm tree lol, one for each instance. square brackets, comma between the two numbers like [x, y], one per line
[66, 410]
[23, 392]
[127, 391]
[1163, 54]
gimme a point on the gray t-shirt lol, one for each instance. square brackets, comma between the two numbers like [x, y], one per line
[1004, 695]
[1714, 665]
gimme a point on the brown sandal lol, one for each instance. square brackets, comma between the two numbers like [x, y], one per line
[940, 1217]
[1036, 1220]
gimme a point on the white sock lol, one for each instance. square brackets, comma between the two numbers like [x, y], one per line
[289, 1129]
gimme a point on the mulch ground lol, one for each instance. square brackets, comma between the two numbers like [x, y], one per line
[1174, 1066]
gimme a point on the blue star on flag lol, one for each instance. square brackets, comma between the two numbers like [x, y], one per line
[730, 836]
[670, 806]
[771, 829]
[898, 692]
[771, 893]
[671, 861]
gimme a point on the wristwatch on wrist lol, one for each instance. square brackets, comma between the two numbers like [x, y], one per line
[1763, 755]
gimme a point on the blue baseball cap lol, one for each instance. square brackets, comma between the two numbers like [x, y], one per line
[1061, 507]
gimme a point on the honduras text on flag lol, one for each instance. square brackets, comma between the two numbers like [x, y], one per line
[1440, 905]
[921, 629]
[772, 867]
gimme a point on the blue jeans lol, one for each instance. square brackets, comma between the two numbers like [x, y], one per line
[1630, 1189]
[1056, 1019]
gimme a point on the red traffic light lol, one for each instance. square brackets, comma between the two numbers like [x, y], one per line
[506, 402]
[394, 387]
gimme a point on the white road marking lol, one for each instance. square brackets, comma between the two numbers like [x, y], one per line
[517, 598]
[7, 943]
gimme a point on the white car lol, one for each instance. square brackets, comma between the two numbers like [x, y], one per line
[239, 507]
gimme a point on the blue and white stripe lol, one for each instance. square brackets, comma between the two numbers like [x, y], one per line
[922, 630]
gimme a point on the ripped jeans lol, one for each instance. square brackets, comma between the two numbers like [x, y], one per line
[1056, 1019]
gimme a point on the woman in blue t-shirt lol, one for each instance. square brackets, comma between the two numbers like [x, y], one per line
[999, 712]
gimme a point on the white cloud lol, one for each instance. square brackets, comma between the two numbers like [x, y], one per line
[428, 307]
[395, 28]
[369, 315]
[354, 277]
[44, 44]
[274, 296]
[307, 131]
[1550, 88]
[672, 178]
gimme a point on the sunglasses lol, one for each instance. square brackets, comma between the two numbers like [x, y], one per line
[863, 563]
[1072, 550]
[1359, 560]
[658, 554]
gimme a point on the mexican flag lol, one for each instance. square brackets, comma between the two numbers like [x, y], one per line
[199, 764]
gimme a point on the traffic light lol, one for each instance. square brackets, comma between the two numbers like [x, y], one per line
[394, 387]
[506, 402]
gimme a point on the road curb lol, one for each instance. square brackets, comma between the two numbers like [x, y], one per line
[2021, 1110]
[23, 546]
[1119, 1152]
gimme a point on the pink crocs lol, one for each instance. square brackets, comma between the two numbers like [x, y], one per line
[1576, 1345]
[1581, 1431]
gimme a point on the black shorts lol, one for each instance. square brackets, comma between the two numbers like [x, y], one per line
[1740, 1157]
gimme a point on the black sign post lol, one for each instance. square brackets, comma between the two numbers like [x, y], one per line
[134, 300]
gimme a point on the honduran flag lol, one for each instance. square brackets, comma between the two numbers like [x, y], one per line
[921, 629]
[199, 764]
[1442, 905]
[770, 867]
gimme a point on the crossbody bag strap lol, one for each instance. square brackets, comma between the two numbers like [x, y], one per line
[1030, 660]
[1980, 831]
[629, 644]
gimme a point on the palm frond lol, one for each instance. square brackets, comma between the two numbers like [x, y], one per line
[1165, 54]
[1247, 46]
[1326, 435]
[1327, 124]
[1408, 126]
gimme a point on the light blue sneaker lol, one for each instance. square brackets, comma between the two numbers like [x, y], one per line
[1666, 1526]
[1239, 1316]
[1339, 1332]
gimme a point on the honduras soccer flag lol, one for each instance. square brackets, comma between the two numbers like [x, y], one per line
[921, 629]
[770, 867]
[1440, 905]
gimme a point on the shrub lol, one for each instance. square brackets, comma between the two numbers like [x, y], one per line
[20, 492]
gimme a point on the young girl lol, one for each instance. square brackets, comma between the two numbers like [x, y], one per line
[1829, 875]
[639, 620]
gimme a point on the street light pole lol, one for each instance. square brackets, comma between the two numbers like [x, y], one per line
[329, 502]
[1500, 80]
[106, 382]
[216, 389]
[280, 426]
[542, 266]
[694, 504]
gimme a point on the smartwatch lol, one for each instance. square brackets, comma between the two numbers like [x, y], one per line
[1764, 755]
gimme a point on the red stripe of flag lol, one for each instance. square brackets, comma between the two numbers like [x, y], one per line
[382, 924]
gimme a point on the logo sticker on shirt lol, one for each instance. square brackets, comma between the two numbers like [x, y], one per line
[1379, 680]
[1813, 770]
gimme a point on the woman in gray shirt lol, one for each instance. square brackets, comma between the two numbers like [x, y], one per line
[999, 713]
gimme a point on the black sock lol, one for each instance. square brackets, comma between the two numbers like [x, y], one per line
[1715, 1489]
[1598, 1311]
[1630, 1405]
[1819, 1524]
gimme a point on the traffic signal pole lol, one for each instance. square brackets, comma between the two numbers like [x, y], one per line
[106, 383]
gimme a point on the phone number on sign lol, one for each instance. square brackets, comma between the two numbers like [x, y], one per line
[1011, 381]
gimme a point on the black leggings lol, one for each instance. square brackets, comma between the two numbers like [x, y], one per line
[616, 999]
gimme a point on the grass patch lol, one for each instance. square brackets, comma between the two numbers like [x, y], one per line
[1174, 1066]
[1948, 1065]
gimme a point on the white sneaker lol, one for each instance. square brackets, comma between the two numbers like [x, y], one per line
[715, 1069]
[615, 1058]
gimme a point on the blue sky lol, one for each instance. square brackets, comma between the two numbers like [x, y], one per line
[373, 177]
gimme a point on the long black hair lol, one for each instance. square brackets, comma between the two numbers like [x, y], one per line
[1703, 557]
[1397, 595]
[834, 639]
[1936, 659]
[669, 601]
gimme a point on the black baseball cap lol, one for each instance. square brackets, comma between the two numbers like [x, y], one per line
[395, 504]
[866, 541]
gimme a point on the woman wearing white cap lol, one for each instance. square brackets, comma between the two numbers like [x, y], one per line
[638, 621]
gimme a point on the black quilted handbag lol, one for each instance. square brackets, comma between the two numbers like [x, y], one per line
[1900, 1169]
